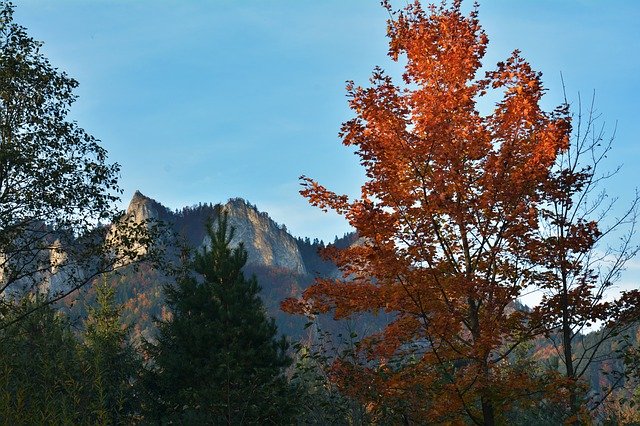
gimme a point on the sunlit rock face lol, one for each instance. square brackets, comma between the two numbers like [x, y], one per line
[267, 243]
[60, 275]
[142, 208]
[283, 266]
[39, 264]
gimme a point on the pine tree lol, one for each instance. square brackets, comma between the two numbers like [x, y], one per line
[112, 361]
[42, 377]
[217, 359]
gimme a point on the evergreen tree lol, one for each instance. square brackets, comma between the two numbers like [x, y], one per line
[112, 361]
[42, 378]
[217, 359]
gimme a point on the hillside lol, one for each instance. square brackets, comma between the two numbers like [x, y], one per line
[284, 265]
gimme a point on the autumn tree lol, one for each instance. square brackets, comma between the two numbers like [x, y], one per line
[56, 185]
[217, 358]
[580, 266]
[447, 221]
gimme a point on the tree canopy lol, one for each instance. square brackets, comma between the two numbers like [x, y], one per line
[450, 221]
[217, 357]
[57, 188]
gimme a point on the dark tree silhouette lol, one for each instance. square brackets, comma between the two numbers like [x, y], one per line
[217, 358]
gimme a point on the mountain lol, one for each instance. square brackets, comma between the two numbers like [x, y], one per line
[283, 265]
[267, 243]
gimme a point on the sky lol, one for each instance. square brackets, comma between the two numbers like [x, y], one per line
[201, 101]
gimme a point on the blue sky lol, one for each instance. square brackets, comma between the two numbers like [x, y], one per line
[200, 101]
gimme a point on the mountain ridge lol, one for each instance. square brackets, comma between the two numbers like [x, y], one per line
[268, 244]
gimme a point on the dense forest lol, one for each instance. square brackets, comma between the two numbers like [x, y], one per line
[157, 317]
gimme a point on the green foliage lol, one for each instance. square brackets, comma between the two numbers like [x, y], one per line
[321, 402]
[47, 376]
[51, 171]
[56, 185]
[112, 362]
[41, 372]
[535, 408]
[217, 358]
[52, 167]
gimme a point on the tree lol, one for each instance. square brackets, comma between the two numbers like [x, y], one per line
[42, 377]
[217, 358]
[47, 376]
[580, 267]
[56, 186]
[113, 363]
[447, 220]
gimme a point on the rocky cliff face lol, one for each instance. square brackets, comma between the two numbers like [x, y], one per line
[267, 243]
[284, 266]
[40, 262]
[142, 208]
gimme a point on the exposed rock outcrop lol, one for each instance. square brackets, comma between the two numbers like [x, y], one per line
[267, 243]
[142, 208]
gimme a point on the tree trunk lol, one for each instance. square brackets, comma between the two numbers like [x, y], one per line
[567, 346]
[488, 410]
[488, 413]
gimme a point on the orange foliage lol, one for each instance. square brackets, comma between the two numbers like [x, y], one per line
[446, 217]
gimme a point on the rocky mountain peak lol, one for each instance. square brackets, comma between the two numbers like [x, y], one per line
[267, 243]
[142, 208]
